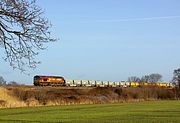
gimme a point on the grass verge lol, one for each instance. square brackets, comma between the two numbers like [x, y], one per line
[136, 112]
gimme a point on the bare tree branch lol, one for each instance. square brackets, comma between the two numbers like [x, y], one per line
[23, 31]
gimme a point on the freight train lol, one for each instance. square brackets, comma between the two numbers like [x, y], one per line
[60, 81]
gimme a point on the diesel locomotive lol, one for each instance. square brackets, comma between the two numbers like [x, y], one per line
[49, 81]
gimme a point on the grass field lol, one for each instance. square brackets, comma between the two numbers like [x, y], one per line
[137, 112]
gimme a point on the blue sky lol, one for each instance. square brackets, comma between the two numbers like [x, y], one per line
[108, 40]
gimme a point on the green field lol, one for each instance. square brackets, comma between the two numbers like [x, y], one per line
[137, 112]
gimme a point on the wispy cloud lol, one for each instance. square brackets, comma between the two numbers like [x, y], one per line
[140, 19]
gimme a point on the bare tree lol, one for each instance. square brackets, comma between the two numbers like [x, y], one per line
[2, 81]
[145, 78]
[155, 77]
[133, 79]
[176, 77]
[23, 32]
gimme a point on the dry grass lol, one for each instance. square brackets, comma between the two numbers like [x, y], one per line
[7, 100]
[37, 96]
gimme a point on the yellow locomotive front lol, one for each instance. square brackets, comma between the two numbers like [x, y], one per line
[49, 81]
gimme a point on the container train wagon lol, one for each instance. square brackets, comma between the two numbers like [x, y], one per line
[98, 83]
[60, 81]
[95, 83]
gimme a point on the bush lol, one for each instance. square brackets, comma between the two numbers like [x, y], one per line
[58, 96]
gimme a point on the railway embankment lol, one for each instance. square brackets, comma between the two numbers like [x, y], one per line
[21, 96]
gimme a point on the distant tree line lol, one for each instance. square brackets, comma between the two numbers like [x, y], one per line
[154, 77]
